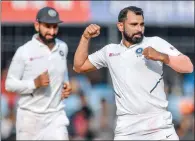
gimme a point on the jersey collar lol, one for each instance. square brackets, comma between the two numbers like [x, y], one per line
[34, 39]
[121, 43]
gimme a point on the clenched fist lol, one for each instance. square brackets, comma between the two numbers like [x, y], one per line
[42, 80]
[66, 90]
[151, 53]
[93, 30]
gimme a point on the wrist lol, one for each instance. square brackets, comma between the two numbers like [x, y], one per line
[164, 58]
[85, 37]
[36, 81]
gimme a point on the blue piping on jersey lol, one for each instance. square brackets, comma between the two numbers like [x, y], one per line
[117, 95]
[157, 83]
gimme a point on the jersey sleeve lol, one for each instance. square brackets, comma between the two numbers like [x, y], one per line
[66, 50]
[13, 81]
[98, 58]
[163, 46]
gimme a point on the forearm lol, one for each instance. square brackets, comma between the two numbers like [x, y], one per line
[81, 53]
[13, 81]
[19, 86]
[181, 64]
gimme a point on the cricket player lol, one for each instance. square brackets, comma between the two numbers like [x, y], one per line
[38, 73]
[135, 66]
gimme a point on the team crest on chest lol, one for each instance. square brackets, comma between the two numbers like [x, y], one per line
[139, 52]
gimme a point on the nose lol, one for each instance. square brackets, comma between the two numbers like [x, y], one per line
[52, 31]
[139, 28]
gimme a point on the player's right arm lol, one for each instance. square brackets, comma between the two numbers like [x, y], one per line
[81, 60]
[14, 82]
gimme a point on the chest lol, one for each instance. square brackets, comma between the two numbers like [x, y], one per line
[41, 61]
[126, 57]
[133, 61]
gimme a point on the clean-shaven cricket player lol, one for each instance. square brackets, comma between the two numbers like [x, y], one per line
[136, 70]
[38, 73]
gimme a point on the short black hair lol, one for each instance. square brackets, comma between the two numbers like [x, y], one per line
[123, 13]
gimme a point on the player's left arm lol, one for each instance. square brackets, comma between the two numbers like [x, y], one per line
[170, 56]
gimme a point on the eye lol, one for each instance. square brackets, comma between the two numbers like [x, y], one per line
[47, 26]
[55, 26]
[134, 24]
[142, 24]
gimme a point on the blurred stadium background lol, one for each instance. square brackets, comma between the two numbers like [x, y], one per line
[91, 107]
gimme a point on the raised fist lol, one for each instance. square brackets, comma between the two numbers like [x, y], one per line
[152, 54]
[93, 30]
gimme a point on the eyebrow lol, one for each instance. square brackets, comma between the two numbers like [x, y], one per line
[142, 23]
[136, 23]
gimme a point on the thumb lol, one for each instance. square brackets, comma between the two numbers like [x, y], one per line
[45, 72]
[98, 32]
[65, 85]
[145, 51]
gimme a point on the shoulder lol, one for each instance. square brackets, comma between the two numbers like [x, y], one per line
[24, 50]
[155, 39]
[63, 45]
[111, 46]
[25, 47]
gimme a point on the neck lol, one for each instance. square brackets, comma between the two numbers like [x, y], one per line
[49, 45]
[126, 43]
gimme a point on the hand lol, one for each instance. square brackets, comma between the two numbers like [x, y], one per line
[91, 31]
[151, 53]
[42, 80]
[66, 90]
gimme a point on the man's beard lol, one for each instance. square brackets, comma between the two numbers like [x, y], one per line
[47, 41]
[133, 39]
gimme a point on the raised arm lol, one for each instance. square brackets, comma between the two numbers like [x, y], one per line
[180, 63]
[169, 55]
[81, 61]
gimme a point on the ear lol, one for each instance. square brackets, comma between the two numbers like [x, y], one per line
[36, 25]
[120, 26]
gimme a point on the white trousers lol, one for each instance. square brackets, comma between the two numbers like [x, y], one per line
[156, 126]
[33, 126]
[171, 136]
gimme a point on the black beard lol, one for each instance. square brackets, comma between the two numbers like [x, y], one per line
[46, 41]
[133, 40]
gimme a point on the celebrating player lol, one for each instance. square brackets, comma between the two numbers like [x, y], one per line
[136, 70]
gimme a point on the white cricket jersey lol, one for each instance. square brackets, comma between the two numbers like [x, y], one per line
[137, 82]
[29, 61]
